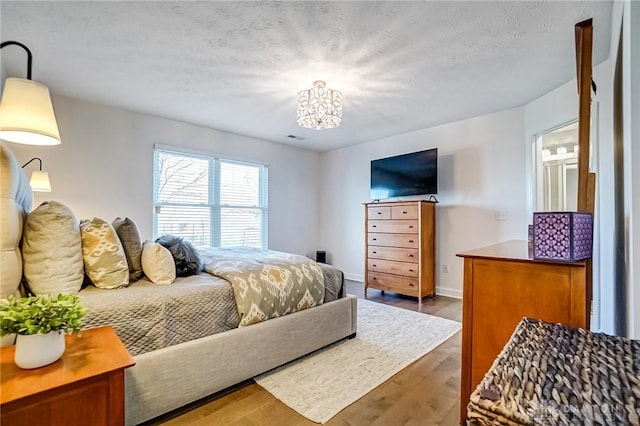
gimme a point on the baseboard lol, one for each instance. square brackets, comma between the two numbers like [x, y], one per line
[354, 277]
[449, 292]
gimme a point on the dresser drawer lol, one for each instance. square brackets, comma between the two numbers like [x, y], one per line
[393, 240]
[379, 213]
[404, 212]
[393, 253]
[393, 267]
[404, 285]
[393, 226]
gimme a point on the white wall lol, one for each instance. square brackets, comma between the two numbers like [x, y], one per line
[104, 168]
[480, 170]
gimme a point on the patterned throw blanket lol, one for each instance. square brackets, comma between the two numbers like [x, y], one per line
[266, 283]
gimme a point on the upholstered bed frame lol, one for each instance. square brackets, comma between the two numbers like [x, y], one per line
[169, 378]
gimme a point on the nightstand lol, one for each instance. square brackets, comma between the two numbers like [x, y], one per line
[85, 386]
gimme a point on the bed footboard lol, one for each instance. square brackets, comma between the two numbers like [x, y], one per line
[169, 378]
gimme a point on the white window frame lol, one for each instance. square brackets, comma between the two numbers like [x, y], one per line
[213, 202]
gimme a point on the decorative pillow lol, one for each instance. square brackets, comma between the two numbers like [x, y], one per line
[184, 254]
[158, 264]
[131, 240]
[15, 203]
[104, 259]
[52, 250]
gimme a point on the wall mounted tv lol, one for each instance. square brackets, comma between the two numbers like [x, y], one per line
[415, 173]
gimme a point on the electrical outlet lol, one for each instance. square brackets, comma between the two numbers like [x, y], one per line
[500, 215]
[445, 269]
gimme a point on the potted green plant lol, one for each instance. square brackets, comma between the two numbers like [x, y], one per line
[40, 324]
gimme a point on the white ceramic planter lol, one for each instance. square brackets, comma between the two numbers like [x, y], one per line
[7, 340]
[37, 350]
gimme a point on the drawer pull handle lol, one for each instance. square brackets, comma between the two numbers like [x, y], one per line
[375, 265]
[410, 284]
[374, 278]
[409, 240]
[410, 270]
[404, 212]
[375, 252]
[375, 226]
[375, 239]
[409, 255]
[379, 212]
[410, 226]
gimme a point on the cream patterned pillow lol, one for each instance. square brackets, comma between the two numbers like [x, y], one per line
[104, 259]
[52, 250]
[158, 264]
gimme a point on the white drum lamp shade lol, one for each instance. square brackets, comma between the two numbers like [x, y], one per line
[39, 181]
[26, 113]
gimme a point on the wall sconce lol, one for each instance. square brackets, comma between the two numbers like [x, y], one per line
[26, 111]
[39, 180]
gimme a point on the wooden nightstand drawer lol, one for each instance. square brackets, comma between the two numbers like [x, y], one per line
[393, 226]
[404, 212]
[393, 253]
[393, 267]
[379, 213]
[393, 240]
[404, 285]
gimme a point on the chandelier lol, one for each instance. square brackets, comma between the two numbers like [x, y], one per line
[319, 108]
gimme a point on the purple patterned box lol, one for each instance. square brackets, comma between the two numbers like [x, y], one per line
[562, 235]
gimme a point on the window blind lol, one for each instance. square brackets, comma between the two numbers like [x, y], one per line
[210, 201]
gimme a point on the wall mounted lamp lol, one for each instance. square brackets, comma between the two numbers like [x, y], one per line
[26, 111]
[39, 179]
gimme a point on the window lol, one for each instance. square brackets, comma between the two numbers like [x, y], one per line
[209, 201]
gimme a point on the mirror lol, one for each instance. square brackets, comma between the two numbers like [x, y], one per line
[556, 169]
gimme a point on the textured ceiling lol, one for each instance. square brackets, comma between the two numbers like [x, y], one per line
[237, 66]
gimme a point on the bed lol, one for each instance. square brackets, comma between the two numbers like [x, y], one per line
[148, 316]
[550, 374]
[181, 354]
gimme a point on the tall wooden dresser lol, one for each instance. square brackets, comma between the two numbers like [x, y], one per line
[400, 247]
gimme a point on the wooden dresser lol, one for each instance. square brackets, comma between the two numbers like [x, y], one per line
[503, 284]
[85, 386]
[400, 247]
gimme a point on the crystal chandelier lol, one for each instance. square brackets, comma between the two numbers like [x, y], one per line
[319, 108]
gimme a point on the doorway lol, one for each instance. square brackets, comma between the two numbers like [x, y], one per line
[556, 169]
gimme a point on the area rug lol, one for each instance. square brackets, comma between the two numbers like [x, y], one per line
[323, 383]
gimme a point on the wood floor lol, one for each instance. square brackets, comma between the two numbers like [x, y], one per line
[425, 393]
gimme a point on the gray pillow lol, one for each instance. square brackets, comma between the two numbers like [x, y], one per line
[184, 254]
[131, 240]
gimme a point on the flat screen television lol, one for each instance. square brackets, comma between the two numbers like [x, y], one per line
[415, 173]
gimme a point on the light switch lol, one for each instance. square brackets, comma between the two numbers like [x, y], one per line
[501, 215]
